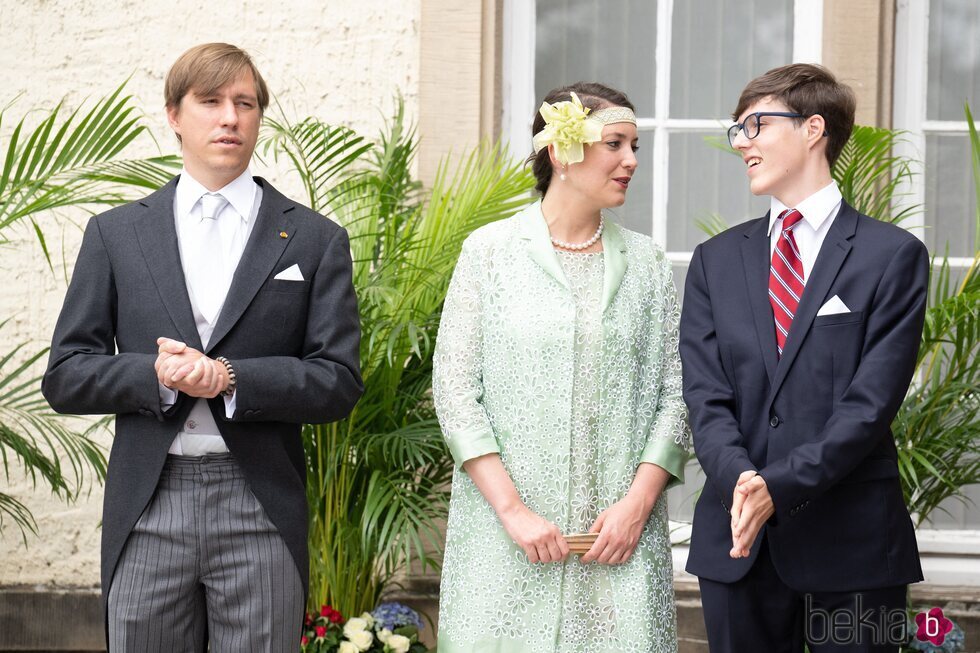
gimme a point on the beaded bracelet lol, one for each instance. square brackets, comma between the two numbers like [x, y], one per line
[232, 379]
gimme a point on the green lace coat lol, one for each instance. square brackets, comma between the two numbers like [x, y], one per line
[503, 382]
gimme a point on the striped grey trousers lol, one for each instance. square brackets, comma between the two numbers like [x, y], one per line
[204, 562]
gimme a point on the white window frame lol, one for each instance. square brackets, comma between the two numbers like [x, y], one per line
[909, 108]
[519, 101]
[909, 114]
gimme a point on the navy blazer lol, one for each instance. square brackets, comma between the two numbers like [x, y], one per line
[294, 346]
[814, 423]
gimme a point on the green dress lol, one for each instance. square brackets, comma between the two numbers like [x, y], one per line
[565, 364]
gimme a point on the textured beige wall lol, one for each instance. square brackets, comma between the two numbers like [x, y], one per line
[858, 44]
[342, 60]
[459, 78]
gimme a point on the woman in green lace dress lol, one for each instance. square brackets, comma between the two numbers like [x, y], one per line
[558, 388]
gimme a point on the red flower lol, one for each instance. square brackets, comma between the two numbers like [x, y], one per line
[933, 626]
[325, 610]
[304, 640]
[335, 617]
[321, 632]
[308, 621]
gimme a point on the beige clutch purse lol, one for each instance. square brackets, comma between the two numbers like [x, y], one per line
[580, 543]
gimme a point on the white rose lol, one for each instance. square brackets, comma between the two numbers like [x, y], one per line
[398, 643]
[348, 647]
[354, 625]
[384, 635]
[362, 639]
[368, 619]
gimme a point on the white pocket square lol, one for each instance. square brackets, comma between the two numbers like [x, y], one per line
[291, 273]
[834, 306]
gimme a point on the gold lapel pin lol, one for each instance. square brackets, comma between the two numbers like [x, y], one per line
[283, 234]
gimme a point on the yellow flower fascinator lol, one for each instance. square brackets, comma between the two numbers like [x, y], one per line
[567, 127]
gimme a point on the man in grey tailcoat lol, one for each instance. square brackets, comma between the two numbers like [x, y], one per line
[213, 318]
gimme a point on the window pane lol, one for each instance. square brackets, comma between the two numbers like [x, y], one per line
[957, 515]
[717, 47]
[950, 199]
[704, 182]
[608, 41]
[637, 212]
[954, 58]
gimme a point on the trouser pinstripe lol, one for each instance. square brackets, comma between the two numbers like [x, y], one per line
[204, 562]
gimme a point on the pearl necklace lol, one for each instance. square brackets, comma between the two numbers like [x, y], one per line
[587, 244]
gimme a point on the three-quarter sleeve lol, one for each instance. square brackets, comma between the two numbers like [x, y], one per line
[669, 440]
[457, 374]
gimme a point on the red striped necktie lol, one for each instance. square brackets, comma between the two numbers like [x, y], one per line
[785, 277]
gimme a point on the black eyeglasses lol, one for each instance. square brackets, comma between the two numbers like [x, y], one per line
[750, 126]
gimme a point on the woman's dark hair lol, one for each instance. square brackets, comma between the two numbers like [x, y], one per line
[594, 96]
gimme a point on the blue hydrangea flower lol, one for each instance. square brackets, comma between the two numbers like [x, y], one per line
[393, 615]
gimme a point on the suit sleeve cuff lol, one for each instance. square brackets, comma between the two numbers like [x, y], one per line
[230, 404]
[168, 397]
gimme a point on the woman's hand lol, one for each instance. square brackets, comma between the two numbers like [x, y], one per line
[540, 539]
[619, 527]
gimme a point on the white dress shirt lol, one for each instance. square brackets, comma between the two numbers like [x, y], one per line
[199, 434]
[819, 211]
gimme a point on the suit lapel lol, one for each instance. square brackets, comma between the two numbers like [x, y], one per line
[263, 249]
[534, 230]
[614, 249]
[833, 252]
[755, 263]
[156, 234]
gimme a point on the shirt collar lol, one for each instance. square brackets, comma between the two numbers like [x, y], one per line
[240, 193]
[816, 209]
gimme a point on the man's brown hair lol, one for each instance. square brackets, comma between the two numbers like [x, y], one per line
[810, 90]
[206, 68]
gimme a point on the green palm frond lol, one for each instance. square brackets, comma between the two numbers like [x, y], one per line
[975, 163]
[65, 160]
[72, 161]
[937, 429]
[319, 153]
[870, 176]
[378, 481]
[712, 224]
[36, 438]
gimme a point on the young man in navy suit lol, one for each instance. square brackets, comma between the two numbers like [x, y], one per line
[799, 337]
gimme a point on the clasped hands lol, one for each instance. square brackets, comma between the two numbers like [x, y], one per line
[619, 528]
[751, 507]
[187, 370]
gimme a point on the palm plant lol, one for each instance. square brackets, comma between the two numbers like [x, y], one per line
[378, 480]
[60, 163]
[937, 429]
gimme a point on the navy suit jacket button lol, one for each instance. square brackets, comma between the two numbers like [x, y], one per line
[774, 421]
[145, 412]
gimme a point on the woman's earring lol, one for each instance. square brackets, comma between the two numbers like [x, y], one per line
[562, 175]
